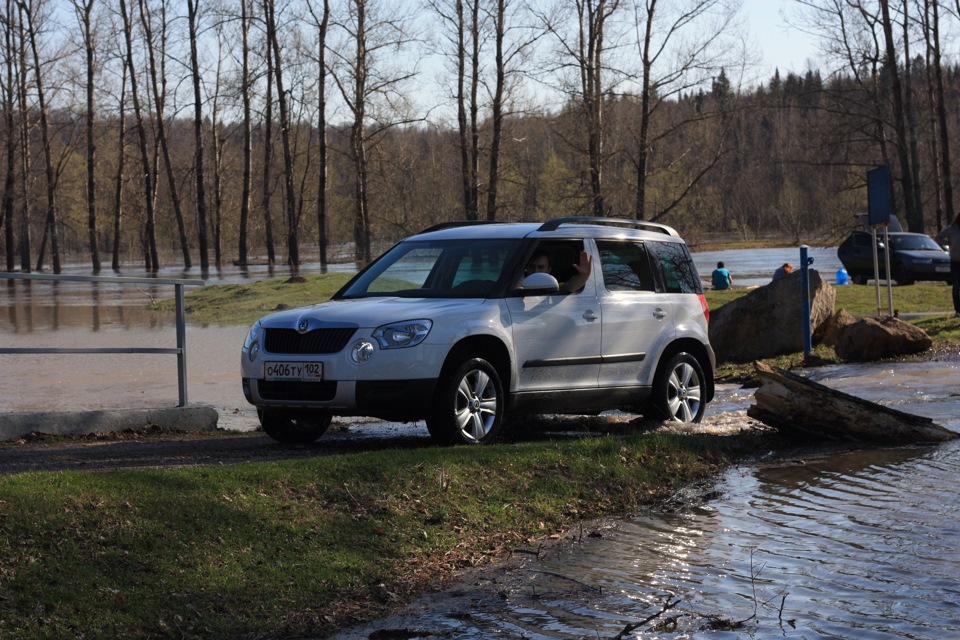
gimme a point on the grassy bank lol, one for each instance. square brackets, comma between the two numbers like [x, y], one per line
[278, 549]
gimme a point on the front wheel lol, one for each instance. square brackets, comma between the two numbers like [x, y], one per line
[678, 389]
[858, 279]
[468, 404]
[291, 427]
[902, 276]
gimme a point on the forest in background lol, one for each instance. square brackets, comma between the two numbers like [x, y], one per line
[147, 133]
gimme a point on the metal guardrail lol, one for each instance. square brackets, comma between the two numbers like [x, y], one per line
[180, 351]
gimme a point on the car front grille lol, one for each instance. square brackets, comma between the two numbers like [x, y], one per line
[294, 391]
[316, 341]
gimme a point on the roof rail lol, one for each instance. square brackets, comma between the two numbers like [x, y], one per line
[458, 223]
[554, 224]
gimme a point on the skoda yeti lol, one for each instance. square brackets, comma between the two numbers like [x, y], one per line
[458, 326]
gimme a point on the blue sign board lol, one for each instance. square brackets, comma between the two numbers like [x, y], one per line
[878, 196]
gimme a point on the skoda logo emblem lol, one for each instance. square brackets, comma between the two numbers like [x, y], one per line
[303, 326]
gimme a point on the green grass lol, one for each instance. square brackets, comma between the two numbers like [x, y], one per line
[232, 304]
[299, 547]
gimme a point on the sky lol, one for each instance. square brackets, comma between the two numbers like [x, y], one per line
[781, 46]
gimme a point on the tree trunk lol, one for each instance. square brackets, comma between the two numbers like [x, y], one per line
[121, 164]
[493, 181]
[159, 97]
[322, 26]
[646, 63]
[84, 12]
[152, 258]
[24, 131]
[51, 185]
[293, 251]
[914, 217]
[198, 137]
[798, 406]
[247, 136]
[268, 161]
[942, 129]
[9, 180]
[361, 221]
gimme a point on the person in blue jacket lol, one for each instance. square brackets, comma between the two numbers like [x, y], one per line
[721, 277]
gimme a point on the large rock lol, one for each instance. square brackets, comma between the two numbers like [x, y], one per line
[829, 332]
[768, 321]
[872, 339]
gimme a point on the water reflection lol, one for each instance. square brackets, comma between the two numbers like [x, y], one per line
[848, 545]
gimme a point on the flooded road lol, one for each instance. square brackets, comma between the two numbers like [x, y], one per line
[862, 544]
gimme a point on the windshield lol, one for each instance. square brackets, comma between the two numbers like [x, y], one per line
[914, 243]
[437, 269]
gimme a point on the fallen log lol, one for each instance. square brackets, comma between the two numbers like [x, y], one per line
[797, 406]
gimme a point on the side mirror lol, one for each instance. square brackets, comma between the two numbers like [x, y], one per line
[539, 284]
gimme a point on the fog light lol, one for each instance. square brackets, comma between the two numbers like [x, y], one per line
[361, 351]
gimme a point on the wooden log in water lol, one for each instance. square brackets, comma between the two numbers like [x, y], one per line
[795, 405]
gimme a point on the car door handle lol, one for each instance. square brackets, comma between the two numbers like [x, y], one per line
[659, 313]
[589, 315]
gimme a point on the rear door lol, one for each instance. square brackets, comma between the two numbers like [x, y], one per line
[637, 316]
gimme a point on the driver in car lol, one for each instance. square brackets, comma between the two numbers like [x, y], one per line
[540, 263]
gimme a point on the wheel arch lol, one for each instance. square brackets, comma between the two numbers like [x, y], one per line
[488, 347]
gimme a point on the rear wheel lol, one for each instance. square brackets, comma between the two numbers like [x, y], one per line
[468, 405]
[292, 427]
[678, 389]
[858, 279]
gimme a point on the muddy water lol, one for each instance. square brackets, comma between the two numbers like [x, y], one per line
[849, 545]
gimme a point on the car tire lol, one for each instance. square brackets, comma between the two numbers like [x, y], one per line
[290, 427]
[902, 276]
[678, 389]
[468, 406]
[858, 279]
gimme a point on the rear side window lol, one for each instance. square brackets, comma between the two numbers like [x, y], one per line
[679, 273]
[625, 266]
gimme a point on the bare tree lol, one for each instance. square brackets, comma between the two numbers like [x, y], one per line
[199, 174]
[245, 88]
[24, 133]
[84, 12]
[360, 80]
[584, 51]
[943, 169]
[293, 250]
[10, 141]
[152, 258]
[323, 24]
[30, 13]
[120, 177]
[679, 45]
[157, 77]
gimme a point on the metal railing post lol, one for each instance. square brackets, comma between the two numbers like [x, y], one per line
[181, 345]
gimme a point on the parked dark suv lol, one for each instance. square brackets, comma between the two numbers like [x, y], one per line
[913, 256]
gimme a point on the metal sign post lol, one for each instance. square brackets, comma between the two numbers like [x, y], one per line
[878, 215]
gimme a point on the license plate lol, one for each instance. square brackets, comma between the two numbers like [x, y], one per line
[293, 371]
[944, 269]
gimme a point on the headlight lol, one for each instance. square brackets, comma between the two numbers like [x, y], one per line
[251, 344]
[399, 335]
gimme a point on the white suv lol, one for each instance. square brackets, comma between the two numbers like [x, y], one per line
[446, 327]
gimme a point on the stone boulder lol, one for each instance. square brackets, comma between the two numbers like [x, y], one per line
[829, 331]
[768, 321]
[872, 339]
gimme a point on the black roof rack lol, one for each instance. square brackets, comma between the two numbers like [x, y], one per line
[458, 223]
[553, 225]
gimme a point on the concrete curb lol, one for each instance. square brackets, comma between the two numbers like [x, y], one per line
[195, 418]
